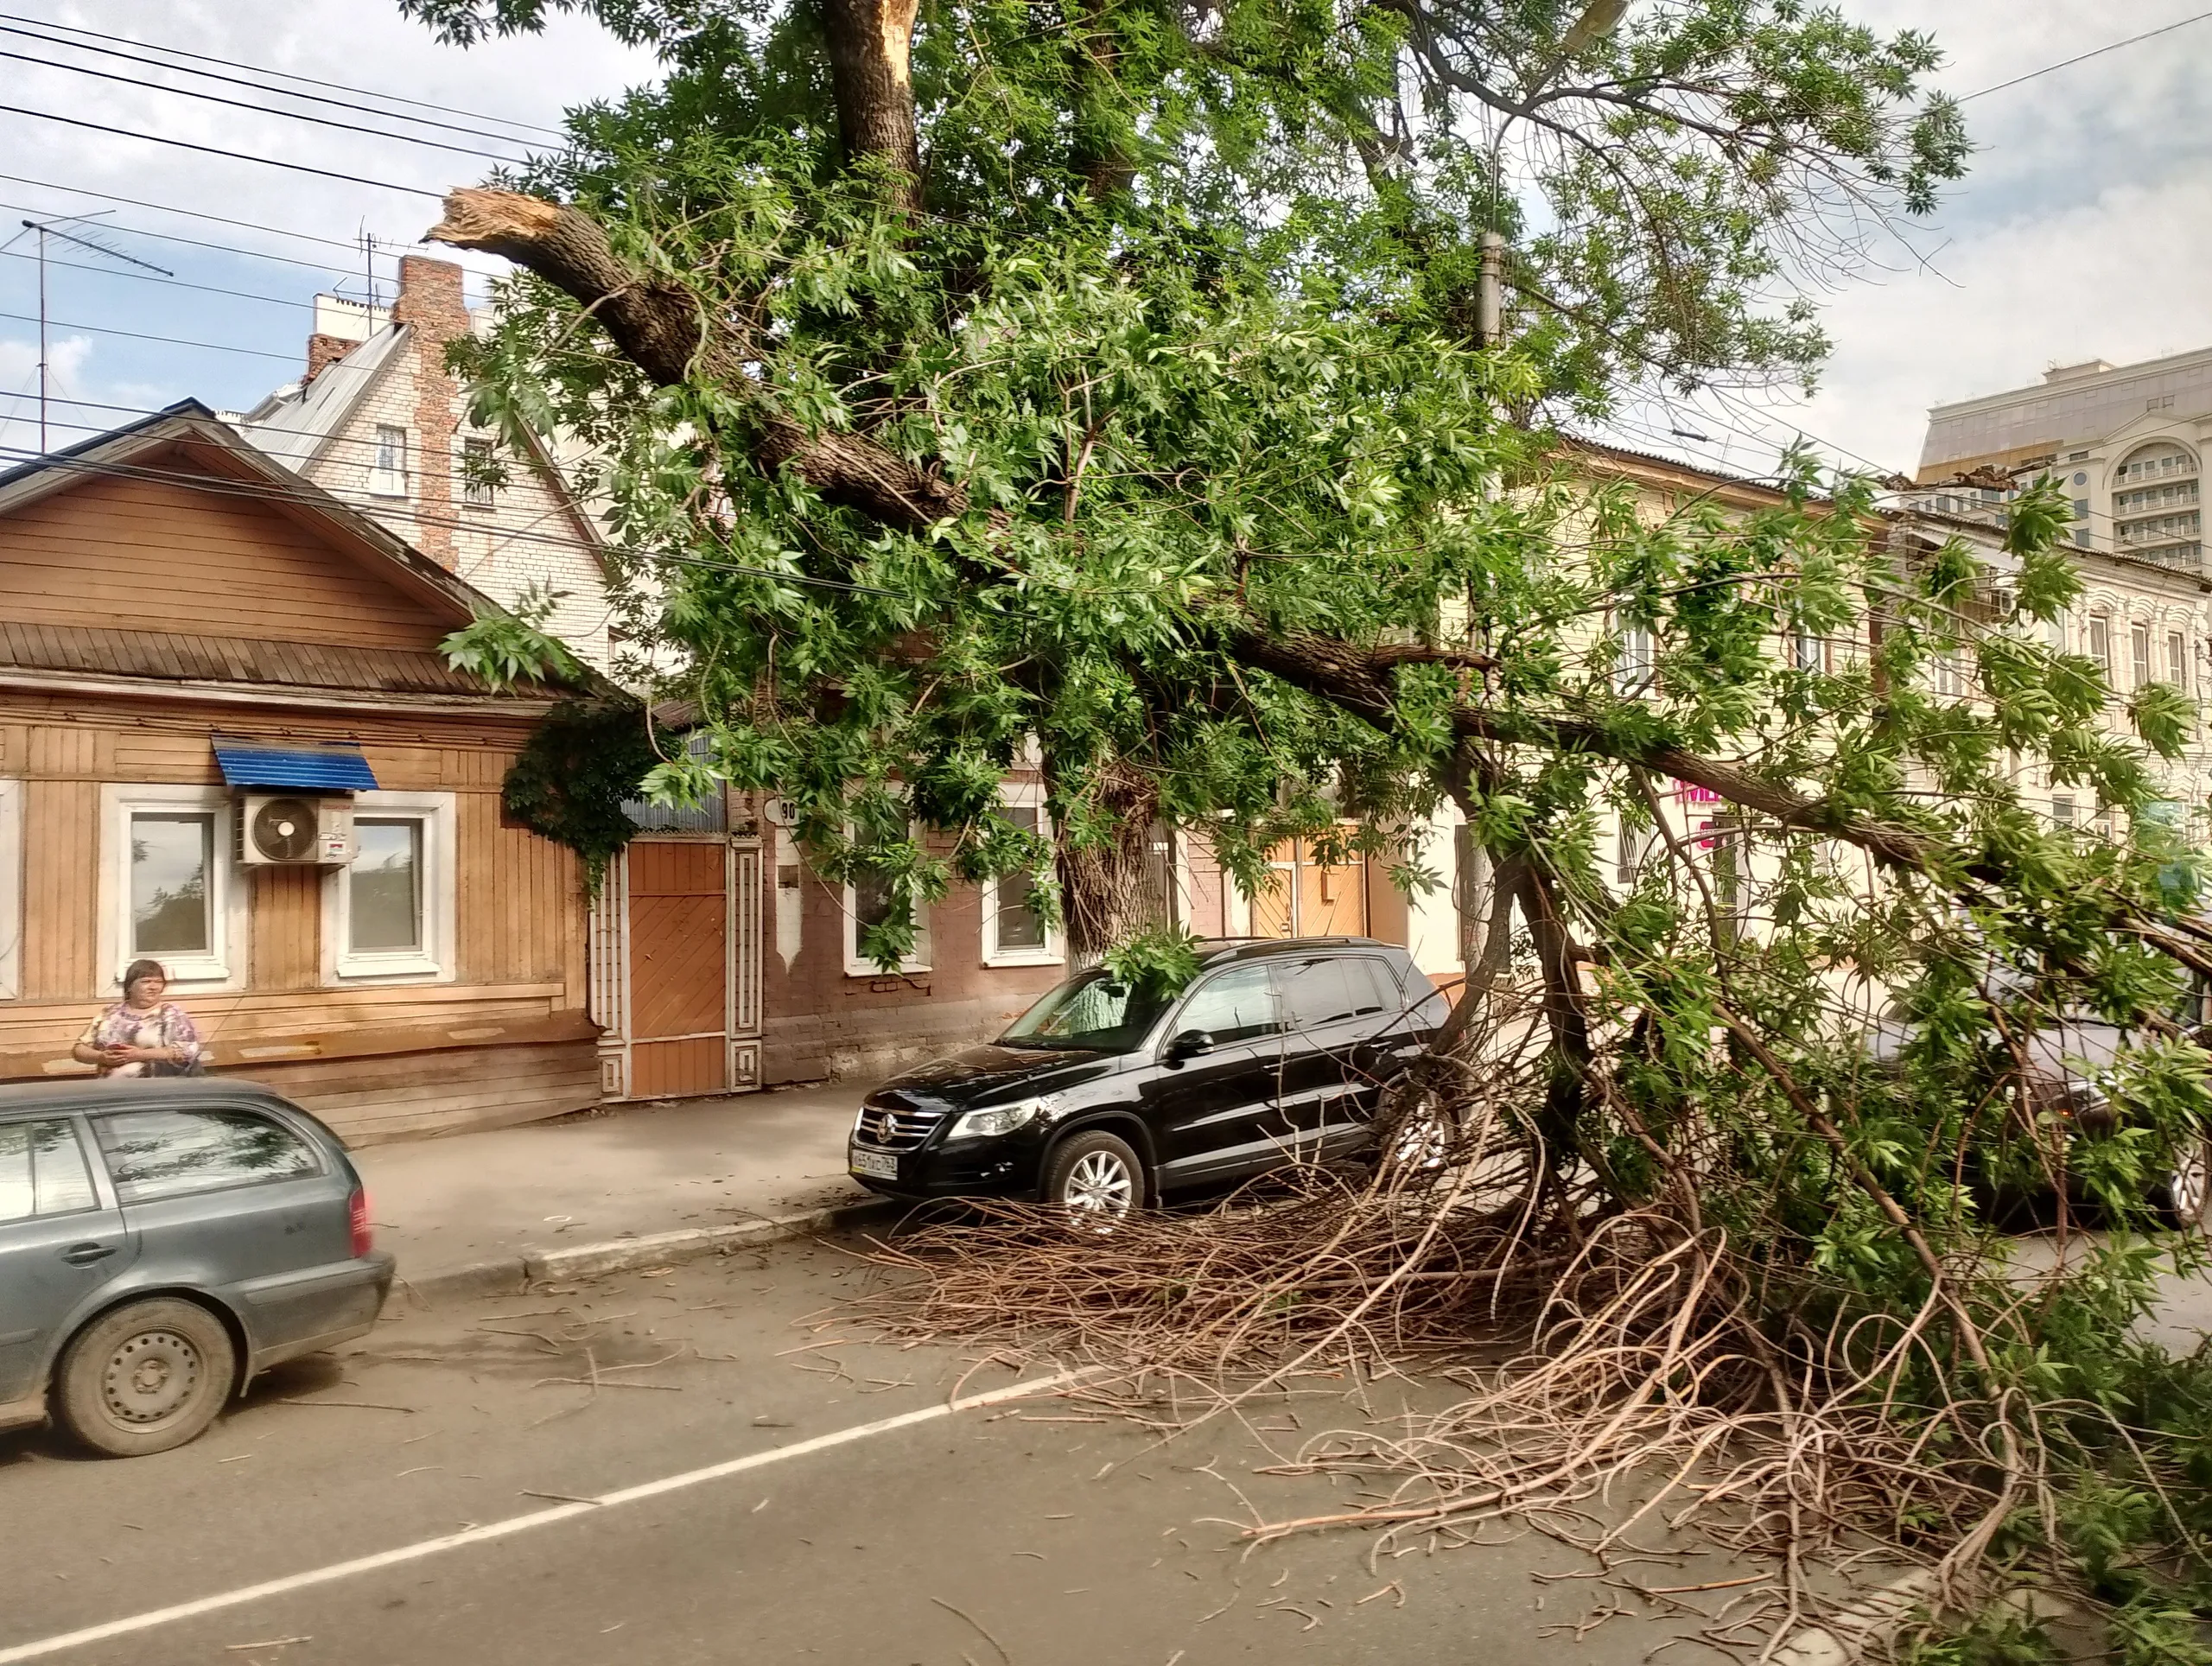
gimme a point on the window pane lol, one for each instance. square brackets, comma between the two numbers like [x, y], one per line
[170, 859]
[49, 1155]
[385, 908]
[167, 1153]
[871, 902]
[1317, 992]
[476, 479]
[1234, 1007]
[1019, 927]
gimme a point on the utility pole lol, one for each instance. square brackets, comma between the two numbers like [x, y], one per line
[45, 229]
[1490, 294]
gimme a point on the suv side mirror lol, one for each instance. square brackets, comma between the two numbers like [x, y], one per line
[1189, 1044]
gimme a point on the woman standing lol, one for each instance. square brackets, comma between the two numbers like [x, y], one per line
[142, 1034]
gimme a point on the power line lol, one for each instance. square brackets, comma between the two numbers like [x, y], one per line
[286, 75]
[145, 85]
[171, 282]
[326, 269]
[319, 498]
[257, 87]
[139, 335]
[2069, 63]
[218, 150]
[192, 213]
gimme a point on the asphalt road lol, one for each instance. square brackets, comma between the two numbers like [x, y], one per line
[749, 1494]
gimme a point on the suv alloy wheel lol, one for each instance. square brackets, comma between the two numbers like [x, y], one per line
[1094, 1175]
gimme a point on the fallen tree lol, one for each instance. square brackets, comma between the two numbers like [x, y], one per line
[1122, 379]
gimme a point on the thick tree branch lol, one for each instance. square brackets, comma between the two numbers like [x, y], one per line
[1359, 680]
[669, 334]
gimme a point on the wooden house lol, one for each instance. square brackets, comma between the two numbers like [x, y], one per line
[190, 632]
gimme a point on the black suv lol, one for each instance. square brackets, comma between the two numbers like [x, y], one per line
[1105, 1095]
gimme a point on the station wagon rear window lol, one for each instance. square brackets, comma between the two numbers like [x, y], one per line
[43, 1171]
[170, 1153]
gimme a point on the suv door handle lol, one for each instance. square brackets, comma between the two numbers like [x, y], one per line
[83, 1255]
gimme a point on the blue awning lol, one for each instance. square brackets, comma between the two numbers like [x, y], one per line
[304, 765]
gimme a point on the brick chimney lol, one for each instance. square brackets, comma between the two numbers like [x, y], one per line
[430, 302]
[323, 351]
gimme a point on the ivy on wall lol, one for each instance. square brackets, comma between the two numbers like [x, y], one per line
[570, 781]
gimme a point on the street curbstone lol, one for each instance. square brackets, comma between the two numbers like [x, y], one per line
[512, 1275]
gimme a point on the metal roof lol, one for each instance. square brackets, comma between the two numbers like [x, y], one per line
[322, 766]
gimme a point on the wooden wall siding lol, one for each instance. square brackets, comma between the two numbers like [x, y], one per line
[60, 890]
[151, 739]
[519, 903]
[507, 1042]
[287, 914]
[409, 1096]
[257, 1027]
[146, 555]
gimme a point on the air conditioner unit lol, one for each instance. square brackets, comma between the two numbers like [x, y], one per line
[288, 830]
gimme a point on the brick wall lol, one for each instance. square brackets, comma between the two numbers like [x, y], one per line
[819, 1022]
[528, 535]
[431, 303]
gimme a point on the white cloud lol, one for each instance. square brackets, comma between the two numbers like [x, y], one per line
[67, 360]
[2083, 230]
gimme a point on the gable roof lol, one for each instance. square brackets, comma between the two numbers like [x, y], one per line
[300, 424]
[297, 426]
[187, 446]
[217, 452]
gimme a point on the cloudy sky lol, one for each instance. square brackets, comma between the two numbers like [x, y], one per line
[2085, 230]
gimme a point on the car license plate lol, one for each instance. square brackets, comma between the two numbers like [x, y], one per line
[880, 1165]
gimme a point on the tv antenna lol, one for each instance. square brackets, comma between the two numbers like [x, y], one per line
[59, 227]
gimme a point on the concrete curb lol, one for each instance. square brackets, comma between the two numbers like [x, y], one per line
[512, 1275]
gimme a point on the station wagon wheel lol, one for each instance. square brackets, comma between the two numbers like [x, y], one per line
[2185, 1192]
[1096, 1177]
[145, 1378]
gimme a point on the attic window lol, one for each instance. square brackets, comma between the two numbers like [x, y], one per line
[388, 473]
[476, 474]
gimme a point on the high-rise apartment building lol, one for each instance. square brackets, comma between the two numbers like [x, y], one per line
[2127, 441]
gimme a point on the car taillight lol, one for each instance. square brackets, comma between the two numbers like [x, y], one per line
[357, 1219]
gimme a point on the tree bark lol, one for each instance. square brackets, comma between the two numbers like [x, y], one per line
[870, 44]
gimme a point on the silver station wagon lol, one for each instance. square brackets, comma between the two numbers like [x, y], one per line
[161, 1243]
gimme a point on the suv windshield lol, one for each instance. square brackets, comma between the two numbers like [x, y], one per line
[1092, 1011]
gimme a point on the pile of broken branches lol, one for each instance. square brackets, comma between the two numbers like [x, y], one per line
[1617, 1372]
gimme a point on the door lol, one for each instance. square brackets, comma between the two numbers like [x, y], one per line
[679, 959]
[58, 1244]
[1332, 1011]
[228, 1198]
[1215, 1114]
[1305, 898]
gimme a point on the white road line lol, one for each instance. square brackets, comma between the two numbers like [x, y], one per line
[514, 1524]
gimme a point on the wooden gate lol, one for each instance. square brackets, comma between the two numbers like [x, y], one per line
[677, 965]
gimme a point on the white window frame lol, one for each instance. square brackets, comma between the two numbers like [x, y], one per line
[384, 482]
[435, 961]
[462, 483]
[858, 965]
[11, 888]
[1025, 795]
[230, 907]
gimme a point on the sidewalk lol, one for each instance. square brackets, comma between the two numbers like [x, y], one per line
[637, 1186]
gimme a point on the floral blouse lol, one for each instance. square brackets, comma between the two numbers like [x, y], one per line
[167, 1025]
